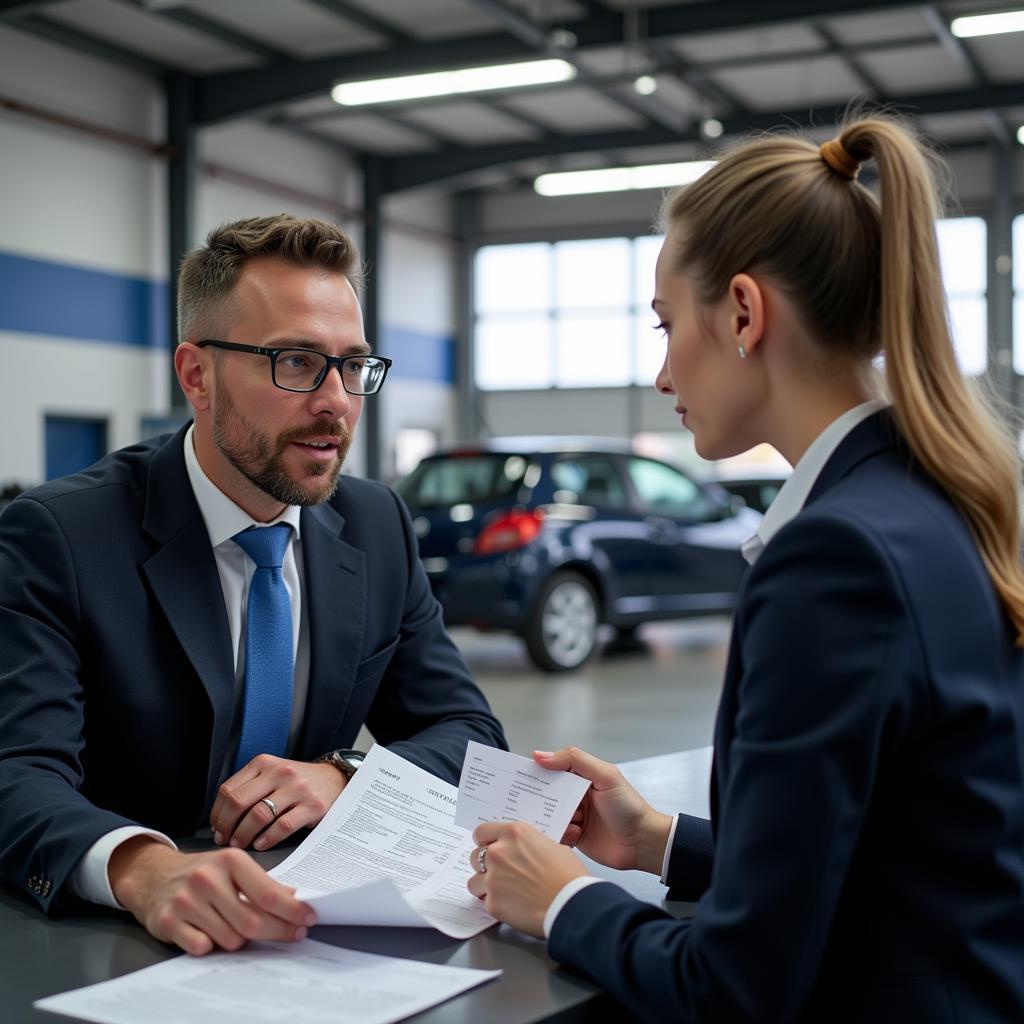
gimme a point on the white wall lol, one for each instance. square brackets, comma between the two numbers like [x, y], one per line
[78, 202]
[85, 203]
[418, 273]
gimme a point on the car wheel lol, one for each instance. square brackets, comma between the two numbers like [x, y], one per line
[562, 632]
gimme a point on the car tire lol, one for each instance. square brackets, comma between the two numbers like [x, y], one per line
[562, 632]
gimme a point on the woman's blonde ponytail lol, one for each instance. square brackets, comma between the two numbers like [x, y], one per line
[949, 429]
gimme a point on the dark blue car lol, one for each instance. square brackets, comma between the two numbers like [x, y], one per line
[550, 538]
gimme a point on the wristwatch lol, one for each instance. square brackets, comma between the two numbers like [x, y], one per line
[346, 761]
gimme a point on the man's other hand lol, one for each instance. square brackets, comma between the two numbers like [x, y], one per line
[300, 793]
[204, 901]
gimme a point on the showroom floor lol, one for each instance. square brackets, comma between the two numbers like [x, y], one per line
[654, 700]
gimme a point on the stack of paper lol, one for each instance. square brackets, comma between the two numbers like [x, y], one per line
[393, 850]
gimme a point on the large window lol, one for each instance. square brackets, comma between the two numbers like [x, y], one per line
[1018, 294]
[570, 314]
[962, 252]
[577, 314]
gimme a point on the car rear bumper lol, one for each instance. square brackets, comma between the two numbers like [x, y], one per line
[491, 593]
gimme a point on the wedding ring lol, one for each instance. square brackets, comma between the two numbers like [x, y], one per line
[481, 858]
[270, 803]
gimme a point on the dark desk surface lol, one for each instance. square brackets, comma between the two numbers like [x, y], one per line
[41, 957]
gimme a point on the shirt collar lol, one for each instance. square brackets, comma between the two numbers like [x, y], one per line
[790, 499]
[222, 516]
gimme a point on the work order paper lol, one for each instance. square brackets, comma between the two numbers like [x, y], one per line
[391, 851]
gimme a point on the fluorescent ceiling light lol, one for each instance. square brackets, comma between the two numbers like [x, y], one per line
[446, 83]
[621, 179]
[988, 24]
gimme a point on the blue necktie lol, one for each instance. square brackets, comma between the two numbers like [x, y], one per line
[268, 646]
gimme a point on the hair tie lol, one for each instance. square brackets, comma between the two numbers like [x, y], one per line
[838, 157]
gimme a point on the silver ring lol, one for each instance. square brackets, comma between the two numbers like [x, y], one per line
[270, 803]
[481, 858]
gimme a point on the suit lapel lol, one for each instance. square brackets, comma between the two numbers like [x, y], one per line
[875, 434]
[335, 603]
[183, 575]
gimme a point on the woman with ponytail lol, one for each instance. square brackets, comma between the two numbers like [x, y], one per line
[865, 855]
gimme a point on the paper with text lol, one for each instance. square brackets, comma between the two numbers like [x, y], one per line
[389, 853]
[499, 786]
[302, 983]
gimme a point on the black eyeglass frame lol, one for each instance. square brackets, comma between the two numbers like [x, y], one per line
[329, 361]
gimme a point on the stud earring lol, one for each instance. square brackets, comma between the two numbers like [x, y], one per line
[743, 352]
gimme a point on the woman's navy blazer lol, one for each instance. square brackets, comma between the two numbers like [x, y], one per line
[867, 861]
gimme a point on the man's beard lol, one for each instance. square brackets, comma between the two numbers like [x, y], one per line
[249, 451]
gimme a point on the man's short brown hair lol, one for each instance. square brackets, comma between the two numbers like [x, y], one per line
[209, 273]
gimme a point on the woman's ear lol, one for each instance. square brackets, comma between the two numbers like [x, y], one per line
[746, 313]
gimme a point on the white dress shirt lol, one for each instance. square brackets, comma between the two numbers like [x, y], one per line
[787, 504]
[223, 519]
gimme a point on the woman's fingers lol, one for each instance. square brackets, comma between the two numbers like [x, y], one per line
[571, 759]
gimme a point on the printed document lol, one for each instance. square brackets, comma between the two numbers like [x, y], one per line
[388, 852]
[499, 786]
[302, 983]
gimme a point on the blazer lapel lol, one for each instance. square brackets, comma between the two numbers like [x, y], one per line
[183, 575]
[335, 603]
[875, 434]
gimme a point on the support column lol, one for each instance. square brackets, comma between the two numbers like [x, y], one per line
[467, 412]
[372, 204]
[1000, 282]
[182, 181]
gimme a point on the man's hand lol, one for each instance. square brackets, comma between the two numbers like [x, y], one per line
[614, 824]
[302, 793]
[204, 901]
[524, 872]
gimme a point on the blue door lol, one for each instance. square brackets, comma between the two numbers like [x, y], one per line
[72, 443]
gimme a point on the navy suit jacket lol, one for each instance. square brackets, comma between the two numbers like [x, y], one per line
[867, 861]
[117, 682]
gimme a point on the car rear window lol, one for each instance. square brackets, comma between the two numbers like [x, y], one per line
[459, 479]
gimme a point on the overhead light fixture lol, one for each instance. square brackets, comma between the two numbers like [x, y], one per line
[1020, 134]
[621, 179]
[987, 24]
[645, 85]
[447, 83]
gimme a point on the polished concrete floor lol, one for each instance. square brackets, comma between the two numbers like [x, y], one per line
[655, 699]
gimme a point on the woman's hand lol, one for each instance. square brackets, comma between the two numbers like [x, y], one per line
[614, 825]
[521, 872]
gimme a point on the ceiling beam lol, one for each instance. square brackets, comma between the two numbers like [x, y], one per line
[19, 8]
[667, 62]
[965, 57]
[234, 93]
[650, 110]
[92, 45]
[392, 34]
[212, 29]
[852, 61]
[431, 167]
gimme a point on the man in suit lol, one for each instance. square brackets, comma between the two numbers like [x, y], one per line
[193, 630]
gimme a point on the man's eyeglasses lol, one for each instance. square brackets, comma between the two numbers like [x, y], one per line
[304, 369]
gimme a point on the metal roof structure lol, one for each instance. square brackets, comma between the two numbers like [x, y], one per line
[749, 64]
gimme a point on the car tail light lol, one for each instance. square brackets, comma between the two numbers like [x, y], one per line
[509, 531]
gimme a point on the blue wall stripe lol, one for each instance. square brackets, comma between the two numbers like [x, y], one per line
[40, 297]
[420, 355]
